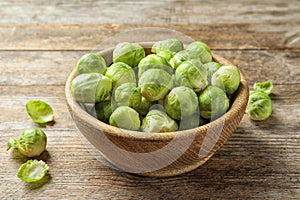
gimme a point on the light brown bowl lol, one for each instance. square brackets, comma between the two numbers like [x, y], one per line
[158, 154]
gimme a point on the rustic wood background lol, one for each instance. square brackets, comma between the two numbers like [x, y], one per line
[40, 42]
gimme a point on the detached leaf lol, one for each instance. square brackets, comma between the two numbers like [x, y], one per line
[11, 143]
[32, 171]
[39, 111]
[266, 87]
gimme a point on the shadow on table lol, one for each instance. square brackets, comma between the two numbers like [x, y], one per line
[20, 158]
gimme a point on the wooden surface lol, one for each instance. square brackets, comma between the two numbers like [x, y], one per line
[42, 40]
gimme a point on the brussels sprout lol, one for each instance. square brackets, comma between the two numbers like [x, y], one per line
[32, 142]
[155, 84]
[201, 49]
[213, 102]
[173, 45]
[211, 68]
[32, 171]
[227, 78]
[181, 102]
[182, 56]
[120, 73]
[103, 110]
[143, 68]
[91, 63]
[91, 87]
[39, 111]
[153, 61]
[129, 53]
[167, 55]
[126, 118]
[259, 106]
[266, 87]
[192, 74]
[144, 106]
[127, 94]
[158, 121]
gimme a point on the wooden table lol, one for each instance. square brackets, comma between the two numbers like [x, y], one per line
[40, 42]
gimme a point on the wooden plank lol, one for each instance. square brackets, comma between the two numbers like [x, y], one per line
[52, 67]
[37, 67]
[286, 113]
[162, 12]
[90, 36]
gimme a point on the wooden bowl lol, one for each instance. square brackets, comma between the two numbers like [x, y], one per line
[158, 154]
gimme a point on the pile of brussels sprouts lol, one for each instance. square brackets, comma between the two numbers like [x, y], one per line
[173, 88]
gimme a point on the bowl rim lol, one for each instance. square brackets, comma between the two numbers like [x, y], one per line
[239, 102]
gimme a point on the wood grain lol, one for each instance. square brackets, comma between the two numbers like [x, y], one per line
[41, 42]
[53, 67]
[285, 98]
[89, 36]
[260, 154]
[161, 12]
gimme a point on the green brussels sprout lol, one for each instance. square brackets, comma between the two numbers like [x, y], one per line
[167, 55]
[153, 61]
[91, 87]
[120, 73]
[143, 68]
[211, 68]
[144, 106]
[155, 84]
[32, 142]
[173, 45]
[129, 53]
[259, 106]
[181, 102]
[227, 78]
[201, 49]
[39, 111]
[158, 121]
[182, 56]
[91, 63]
[192, 74]
[127, 94]
[103, 110]
[32, 171]
[266, 87]
[126, 118]
[213, 102]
